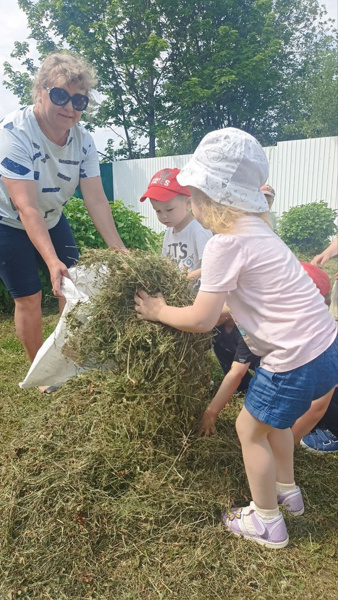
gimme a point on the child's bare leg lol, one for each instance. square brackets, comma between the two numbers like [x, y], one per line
[261, 521]
[309, 420]
[258, 459]
[282, 446]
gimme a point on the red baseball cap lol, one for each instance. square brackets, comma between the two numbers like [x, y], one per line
[164, 186]
[319, 277]
[268, 190]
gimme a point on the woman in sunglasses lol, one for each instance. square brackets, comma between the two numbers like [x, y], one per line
[45, 153]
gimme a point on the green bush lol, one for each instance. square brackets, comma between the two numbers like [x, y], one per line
[6, 301]
[307, 228]
[133, 233]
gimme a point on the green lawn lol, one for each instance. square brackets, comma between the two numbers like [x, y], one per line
[155, 531]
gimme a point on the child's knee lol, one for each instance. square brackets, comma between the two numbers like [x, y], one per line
[249, 429]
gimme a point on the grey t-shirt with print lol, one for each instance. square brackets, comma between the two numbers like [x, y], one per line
[186, 247]
[26, 153]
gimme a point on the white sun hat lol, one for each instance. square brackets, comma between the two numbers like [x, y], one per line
[230, 166]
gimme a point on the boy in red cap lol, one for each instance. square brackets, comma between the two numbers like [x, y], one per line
[185, 238]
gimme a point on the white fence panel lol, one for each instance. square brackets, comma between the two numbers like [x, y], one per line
[304, 171]
[301, 171]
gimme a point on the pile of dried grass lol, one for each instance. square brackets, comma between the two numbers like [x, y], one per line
[99, 479]
[109, 494]
[134, 349]
[100, 466]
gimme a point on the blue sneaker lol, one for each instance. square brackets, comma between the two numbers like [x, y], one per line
[320, 441]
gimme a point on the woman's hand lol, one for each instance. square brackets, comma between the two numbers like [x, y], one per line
[147, 307]
[24, 196]
[57, 271]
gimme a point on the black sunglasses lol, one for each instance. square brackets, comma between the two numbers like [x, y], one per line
[60, 97]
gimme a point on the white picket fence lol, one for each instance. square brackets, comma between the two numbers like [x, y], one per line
[301, 171]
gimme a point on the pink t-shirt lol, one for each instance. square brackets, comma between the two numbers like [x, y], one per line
[270, 295]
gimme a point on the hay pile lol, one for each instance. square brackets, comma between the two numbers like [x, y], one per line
[108, 470]
[108, 494]
[137, 350]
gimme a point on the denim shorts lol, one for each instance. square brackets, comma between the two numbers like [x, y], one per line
[279, 399]
[19, 260]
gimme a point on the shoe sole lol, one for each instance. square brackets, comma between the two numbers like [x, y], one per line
[294, 513]
[260, 541]
[51, 389]
[315, 451]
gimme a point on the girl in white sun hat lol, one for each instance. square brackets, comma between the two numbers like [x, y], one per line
[248, 267]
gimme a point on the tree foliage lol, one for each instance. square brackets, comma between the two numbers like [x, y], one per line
[172, 70]
[311, 106]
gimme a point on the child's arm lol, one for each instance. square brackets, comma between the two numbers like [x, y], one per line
[227, 388]
[196, 274]
[330, 252]
[309, 420]
[201, 317]
[225, 317]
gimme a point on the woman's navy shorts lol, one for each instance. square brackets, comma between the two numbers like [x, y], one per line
[19, 260]
[279, 399]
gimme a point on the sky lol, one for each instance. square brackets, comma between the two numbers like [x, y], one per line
[14, 28]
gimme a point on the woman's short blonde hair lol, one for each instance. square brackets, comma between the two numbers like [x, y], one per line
[219, 217]
[64, 68]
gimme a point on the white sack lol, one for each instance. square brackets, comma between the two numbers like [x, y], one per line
[50, 366]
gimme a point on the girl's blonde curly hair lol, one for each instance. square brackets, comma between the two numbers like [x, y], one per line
[64, 68]
[220, 218]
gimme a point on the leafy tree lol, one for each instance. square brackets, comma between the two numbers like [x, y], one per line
[312, 101]
[225, 67]
[172, 70]
[245, 64]
[20, 83]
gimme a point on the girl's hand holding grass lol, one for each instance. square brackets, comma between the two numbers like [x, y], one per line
[147, 307]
